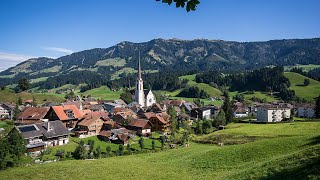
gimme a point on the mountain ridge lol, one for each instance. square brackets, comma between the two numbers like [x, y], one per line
[174, 54]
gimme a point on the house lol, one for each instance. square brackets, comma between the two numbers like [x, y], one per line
[6, 111]
[96, 107]
[68, 114]
[271, 113]
[117, 136]
[109, 106]
[306, 110]
[78, 104]
[32, 115]
[157, 108]
[39, 136]
[160, 121]
[141, 126]
[201, 113]
[240, 111]
[90, 126]
[187, 106]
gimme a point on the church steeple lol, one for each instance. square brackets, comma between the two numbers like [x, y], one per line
[139, 68]
[139, 93]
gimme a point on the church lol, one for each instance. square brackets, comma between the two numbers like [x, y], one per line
[143, 97]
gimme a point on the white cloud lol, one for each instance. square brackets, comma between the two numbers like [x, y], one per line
[14, 57]
[8, 60]
[57, 49]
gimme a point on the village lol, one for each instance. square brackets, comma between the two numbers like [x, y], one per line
[114, 121]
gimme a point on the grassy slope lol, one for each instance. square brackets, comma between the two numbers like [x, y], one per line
[210, 90]
[293, 153]
[103, 93]
[305, 68]
[9, 96]
[308, 92]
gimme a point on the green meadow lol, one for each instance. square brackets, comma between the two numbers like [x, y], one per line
[308, 92]
[282, 151]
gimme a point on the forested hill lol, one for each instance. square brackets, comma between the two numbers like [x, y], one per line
[172, 54]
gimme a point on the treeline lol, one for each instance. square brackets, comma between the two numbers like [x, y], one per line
[313, 74]
[266, 79]
[93, 80]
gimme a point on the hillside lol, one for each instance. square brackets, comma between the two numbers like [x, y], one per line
[308, 92]
[159, 54]
[12, 97]
[284, 151]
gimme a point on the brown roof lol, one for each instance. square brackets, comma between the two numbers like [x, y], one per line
[89, 120]
[76, 103]
[142, 123]
[102, 114]
[150, 115]
[176, 102]
[163, 117]
[123, 137]
[59, 110]
[105, 133]
[33, 113]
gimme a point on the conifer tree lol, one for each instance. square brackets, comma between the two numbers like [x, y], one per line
[227, 108]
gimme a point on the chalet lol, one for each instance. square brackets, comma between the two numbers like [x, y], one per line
[157, 108]
[42, 135]
[32, 115]
[187, 106]
[90, 126]
[240, 111]
[271, 113]
[117, 136]
[141, 126]
[160, 121]
[96, 107]
[6, 111]
[108, 106]
[68, 114]
[306, 110]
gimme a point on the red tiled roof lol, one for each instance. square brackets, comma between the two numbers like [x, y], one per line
[89, 120]
[59, 110]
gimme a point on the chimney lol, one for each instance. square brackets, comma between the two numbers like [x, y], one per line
[48, 126]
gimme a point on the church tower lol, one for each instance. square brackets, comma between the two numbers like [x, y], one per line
[139, 93]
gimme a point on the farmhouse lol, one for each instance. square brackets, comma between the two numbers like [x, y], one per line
[6, 111]
[90, 126]
[31, 115]
[160, 121]
[42, 135]
[141, 126]
[68, 114]
[271, 113]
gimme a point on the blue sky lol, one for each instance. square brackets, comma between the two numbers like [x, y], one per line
[53, 28]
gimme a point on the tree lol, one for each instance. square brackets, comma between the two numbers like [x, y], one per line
[317, 107]
[141, 142]
[190, 4]
[207, 126]
[221, 118]
[80, 152]
[34, 102]
[16, 112]
[98, 152]
[24, 84]
[306, 82]
[16, 148]
[199, 129]
[70, 95]
[108, 149]
[153, 145]
[19, 101]
[120, 151]
[126, 97]
[129, 148]
[173, 120]
[198, 102]
[162, 140]
[226, 107]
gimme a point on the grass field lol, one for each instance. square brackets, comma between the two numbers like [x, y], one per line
[308, 92]
[103, 93]
[305, 68]
[10, 96]
[288, 151]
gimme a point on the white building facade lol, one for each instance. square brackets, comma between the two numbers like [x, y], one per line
[273, 114]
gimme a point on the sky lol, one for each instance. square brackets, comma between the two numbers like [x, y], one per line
[54, 28]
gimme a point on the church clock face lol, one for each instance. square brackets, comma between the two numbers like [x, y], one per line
[150, 100]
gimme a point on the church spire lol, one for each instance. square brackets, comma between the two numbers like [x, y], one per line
[139, 68]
